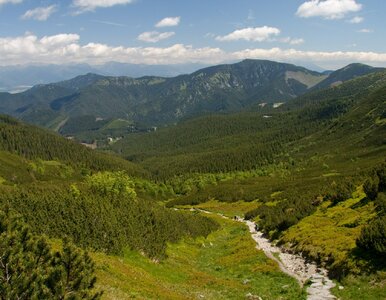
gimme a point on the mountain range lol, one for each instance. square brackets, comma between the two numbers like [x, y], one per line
[158, 101]
[19, 78]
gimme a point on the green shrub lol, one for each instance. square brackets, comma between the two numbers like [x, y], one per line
[342, 192]
[112, 183]
[370, 187]
[373, 236]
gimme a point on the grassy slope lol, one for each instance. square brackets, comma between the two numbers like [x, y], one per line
[365, 287]
[317, 235]
[226, 265]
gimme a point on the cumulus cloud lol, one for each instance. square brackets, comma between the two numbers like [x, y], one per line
[40, 13]
[66, 48]
[328, 9]
[356, 20]
[154, 36]
[10, 1]
[168, 22]
[254, 34]
[90, 5]
[59, 39]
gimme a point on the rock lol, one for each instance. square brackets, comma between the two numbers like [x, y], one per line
[317, 276]
[317, 285]
[250, 296]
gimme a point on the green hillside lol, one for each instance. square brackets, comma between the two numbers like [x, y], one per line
[220, 143]
[34, 143]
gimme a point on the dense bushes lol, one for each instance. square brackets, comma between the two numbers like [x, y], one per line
[370, 187]
[103, 217]
[286, 213]
[376, 182]
[373, 236]
[112, 184]
[30, 269]
[342, 191]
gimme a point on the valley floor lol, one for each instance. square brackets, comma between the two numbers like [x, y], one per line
[225, 265]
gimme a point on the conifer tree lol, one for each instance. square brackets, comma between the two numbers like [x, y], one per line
[30, 270]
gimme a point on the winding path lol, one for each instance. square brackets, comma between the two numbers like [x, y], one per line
[293, 265]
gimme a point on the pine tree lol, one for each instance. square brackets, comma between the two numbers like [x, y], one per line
[30, 270]
[73, 277]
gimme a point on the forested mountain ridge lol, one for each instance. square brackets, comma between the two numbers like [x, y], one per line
[248, 140]
[157, 100]
[97, 103]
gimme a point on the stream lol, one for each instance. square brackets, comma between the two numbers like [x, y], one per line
[293, 265]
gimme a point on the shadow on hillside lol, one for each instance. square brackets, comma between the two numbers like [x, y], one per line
[371, 261]
[361, 203]
[366, 262]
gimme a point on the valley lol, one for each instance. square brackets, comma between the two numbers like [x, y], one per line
[174, 153]
[201, 150]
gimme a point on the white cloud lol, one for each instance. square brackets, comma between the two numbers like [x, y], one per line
[40, 13]
[168, 22]
[328, 9]
[67, 48]
[296, 41]
[291, 41]
[59, 39]
[10, 1]
[255, 34]
[154, 36]
[356, 20]
[90, 5]
[366, 30]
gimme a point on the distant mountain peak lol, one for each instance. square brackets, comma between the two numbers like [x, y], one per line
[346, 73]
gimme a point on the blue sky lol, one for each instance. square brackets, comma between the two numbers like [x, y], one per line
[327, 33]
